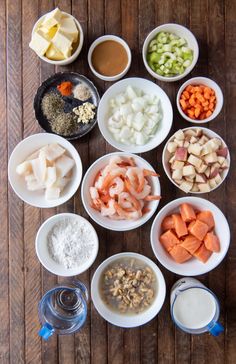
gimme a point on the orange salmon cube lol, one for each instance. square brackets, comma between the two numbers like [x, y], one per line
[199, 229]
[212, 242]
[202, 254]
[167, 223]
[169, 240]
[180, 226]
[179, 254]
[207, 218]
[187, 212]
[191, 244]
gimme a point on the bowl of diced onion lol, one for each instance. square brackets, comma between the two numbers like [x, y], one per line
[196, 160]
[135, 115]
[170, 52]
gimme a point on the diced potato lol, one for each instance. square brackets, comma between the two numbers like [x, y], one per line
[207, 172]
[186, 144]
[193, 140]
[204, 187]
[202, 168]
[179, 135]
[206, 149]
[217, 141]
[198, 132]
[189, 133]
[171, 147]
[24, 168]
[203, 140]
[52, 193]
[177, 174]
[213, 144]
[196, 162]
[225, 164]
[53, 151]
[64, 164]
[190, 178]
[179, 181]
[186, 186]
[210, 158]
[201, 178]
[195, 188]
[188, 170]
[220, 160]
[218, 179]
[195, 149]
[172, 159]
[177, 165]
[180, 143]
[212, 183]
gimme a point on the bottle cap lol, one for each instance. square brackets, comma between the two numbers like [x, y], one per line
[46, 331]
[215, 328]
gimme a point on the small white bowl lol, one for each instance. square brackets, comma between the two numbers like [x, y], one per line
[73, 57]
[180, 31]
[192, 267]
[42, 248]
[101, 40]
[25, 148]
[106, 222]
[166, 157]
[207, 82]
[148, 87]
[123, 320]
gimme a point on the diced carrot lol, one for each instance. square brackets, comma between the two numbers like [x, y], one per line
[202, 116]
[199, 97]
[212, 99]
[191, 244]
[191, 224]
[197, 89]
[212, 242]
[183, 104]
[183, 97]
[179, 254]
[211, 106]
[207, 89]
[208, 113]
[207, 95]
[190, 112]
[199, 229]
[197, 112]
[168, 240]
[207, 218]
[202, 254]
[186, 94]
[180, 226]
[167, 223]
[205, 103]
[187, 212]
[192, 101]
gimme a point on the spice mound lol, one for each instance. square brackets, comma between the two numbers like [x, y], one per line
[65, 88]
[71, 242]
[81, 92]
[128, 286]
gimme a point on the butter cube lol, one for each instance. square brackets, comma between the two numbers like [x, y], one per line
[38, 43]
[52, 18]
[54, 54]
[49, 33]
[69, 28]
[63, 43]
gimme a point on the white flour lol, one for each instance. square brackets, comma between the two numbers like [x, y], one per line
[71, 242]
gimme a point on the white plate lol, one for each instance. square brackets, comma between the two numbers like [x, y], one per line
[117, 225]
[192, 267]
[121, 319]
[26, 147]
[148, 87]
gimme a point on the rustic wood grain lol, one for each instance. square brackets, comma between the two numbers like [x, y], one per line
[22, 280]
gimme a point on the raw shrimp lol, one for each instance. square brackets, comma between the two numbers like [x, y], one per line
[148, 172]
[136, 177]
[108, 179]
[129, 215]
[126, 201]
[117, 187]
[108, 210]
[93, 192]
[138, 195]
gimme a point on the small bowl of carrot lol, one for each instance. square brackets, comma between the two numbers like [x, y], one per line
[199, 100]
[190, 236]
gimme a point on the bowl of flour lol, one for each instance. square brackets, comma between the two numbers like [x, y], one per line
[66, 244]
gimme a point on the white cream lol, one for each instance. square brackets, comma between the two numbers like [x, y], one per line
[194, 308]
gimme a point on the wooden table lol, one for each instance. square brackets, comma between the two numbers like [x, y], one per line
[22, 279]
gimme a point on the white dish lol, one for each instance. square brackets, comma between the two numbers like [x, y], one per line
[43, 253]
[128, 321]
[180, 31]
[26, 147]
[73, 57]
[207, 82]
[106, 222]
[166, 157]
[103, 39]
[148, 87]
[192, 267]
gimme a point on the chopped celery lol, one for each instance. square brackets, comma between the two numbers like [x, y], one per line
[169, 55]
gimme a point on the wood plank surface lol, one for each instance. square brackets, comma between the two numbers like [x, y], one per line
[23, 280]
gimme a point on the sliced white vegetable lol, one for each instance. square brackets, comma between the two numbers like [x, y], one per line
[24, 168]
[52, 193]
[64, 164]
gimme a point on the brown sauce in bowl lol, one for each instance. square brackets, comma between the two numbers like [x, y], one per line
[109, 58]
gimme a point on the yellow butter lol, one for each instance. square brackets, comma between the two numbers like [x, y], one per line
[54, 54]
[38, 43]
[68, 27]
[52, 18]
[49, 33]
[63, 43]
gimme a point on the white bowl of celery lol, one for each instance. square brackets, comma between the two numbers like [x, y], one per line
[170, 52]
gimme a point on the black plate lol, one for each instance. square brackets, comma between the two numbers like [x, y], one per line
[70, 102]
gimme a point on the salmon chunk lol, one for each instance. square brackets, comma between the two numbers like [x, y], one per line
[179, 254]
[167, 223]
[202, 254]
[187, 212]
[191, 244]
[212, 242]
[180, 226]
[207, 218]
[169, 240]
[199, 229]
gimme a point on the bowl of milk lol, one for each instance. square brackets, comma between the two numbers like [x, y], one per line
[195, 309]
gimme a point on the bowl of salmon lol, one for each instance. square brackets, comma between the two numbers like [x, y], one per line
[190, 236]
[120, 191]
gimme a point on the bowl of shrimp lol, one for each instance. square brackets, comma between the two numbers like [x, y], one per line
[120, 191]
